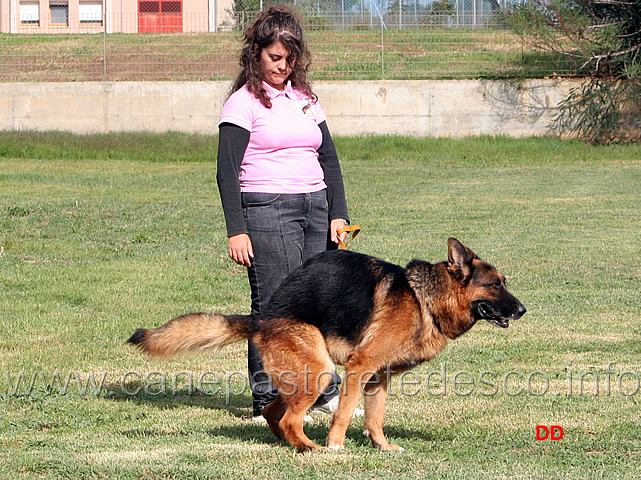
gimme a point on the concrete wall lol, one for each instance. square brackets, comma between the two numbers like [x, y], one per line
[419, 108]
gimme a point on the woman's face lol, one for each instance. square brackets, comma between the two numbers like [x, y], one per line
[273, 63]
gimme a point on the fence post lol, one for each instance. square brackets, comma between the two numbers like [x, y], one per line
[382, 52]
[104, 43]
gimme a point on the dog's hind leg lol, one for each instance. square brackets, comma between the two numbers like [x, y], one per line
[291, 425]
[297, 404]
[300, 368]
[375, 396]
[273, 413]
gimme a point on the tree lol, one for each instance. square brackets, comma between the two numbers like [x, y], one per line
[439, 13]
[602, 40]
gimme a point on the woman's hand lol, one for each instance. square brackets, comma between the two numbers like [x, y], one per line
[336, 225]
[240, 249]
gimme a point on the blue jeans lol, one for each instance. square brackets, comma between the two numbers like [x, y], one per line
[285, 231]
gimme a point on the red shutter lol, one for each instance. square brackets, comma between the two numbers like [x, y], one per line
[160, 16]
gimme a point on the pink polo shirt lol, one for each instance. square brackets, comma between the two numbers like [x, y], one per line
[282, 153]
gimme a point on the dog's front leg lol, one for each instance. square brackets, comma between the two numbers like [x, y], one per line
[375, 394]
[356, 376]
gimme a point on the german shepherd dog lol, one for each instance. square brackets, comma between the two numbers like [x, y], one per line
[355, 310]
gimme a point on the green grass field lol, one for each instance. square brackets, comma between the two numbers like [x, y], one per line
[103, 234]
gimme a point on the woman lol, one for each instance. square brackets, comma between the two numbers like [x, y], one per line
[278, 172]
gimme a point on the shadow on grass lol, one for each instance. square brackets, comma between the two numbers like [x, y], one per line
[247, 431]
[317, 432]
[238, 406]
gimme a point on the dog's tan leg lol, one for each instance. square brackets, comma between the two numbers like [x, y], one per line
[297, 405]
[292, 426]
[273, 413]
[299, 364]
[375, 395]
[356, 376]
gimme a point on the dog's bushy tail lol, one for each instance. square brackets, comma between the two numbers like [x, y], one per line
[194, 332]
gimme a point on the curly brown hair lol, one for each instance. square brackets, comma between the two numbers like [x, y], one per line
[278, 23]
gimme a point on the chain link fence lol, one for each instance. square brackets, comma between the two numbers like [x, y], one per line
[368, 41]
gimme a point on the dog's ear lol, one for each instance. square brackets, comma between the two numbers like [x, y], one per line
[460, 260]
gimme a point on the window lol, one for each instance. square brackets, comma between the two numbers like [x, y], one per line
[59, 12]
[160, 6]
[90, 12]
[149, 7]
[171, 7]
[30, 13]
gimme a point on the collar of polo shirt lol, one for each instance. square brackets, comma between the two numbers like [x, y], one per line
[273, 92]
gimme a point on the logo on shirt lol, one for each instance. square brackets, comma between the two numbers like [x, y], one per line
[306, 109]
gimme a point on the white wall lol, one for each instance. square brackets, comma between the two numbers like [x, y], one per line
[420, 108]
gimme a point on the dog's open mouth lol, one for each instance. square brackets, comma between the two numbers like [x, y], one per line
[499, 322]
[487, 312]
[497, 317]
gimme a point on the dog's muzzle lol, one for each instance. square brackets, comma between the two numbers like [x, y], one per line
[497, 316]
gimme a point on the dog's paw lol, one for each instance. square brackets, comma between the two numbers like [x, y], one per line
[394, 448]
[311, 447]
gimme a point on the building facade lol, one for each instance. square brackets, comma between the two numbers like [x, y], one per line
[114, 16]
